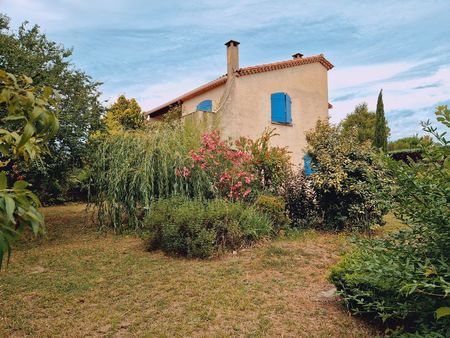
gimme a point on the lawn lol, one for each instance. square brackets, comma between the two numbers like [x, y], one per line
[77, 282]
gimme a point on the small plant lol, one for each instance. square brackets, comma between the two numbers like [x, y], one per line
[275, 208]
[196, 228]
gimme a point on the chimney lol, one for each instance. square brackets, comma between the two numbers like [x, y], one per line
[297, 56]
[232, 57]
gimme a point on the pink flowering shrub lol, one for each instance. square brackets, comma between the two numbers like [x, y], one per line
[237, 169]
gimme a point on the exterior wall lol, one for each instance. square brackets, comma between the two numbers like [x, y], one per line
[249, 110]
[246, 105]
[214, 94]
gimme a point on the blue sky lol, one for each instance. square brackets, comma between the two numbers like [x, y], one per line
[156, 50]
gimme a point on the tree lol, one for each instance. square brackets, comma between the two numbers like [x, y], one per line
[29, 52]
[28, 122]
[380, 136]
[124, 114]
[409, 142]
[362, 120]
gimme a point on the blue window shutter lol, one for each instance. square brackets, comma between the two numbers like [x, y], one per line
[288, 108]
[278, 103]
[307, 165]
[205, 106]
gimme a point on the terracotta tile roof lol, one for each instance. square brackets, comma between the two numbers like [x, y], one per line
[285, 64]
[242, 72]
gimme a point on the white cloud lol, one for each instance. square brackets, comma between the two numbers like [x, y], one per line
[417, 95]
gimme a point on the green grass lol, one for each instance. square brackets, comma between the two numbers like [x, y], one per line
[77, 282]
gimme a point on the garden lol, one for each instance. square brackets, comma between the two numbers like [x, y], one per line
[171, 230]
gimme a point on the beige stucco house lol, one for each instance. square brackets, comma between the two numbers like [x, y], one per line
[288, 95]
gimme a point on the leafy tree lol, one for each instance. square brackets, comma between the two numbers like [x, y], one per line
[362, 120]
[410, 142]
[28, 122]
[381, 134]
[124, 114]
[28, 51]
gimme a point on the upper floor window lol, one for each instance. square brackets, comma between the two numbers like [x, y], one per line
[205, 105]
[281, 108]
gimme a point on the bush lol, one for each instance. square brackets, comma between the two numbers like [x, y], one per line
[405, 279]
[241, 169]
[195, 228]
[275, 208]
[301, 201]
[349, 179]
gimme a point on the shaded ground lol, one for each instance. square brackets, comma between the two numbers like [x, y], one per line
[78, 283]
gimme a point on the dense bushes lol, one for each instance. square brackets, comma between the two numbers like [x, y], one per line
[132, 169]
[405, 279]
[349, 179]
[195, 228]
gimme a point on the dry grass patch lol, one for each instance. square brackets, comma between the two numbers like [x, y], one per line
[80, 283]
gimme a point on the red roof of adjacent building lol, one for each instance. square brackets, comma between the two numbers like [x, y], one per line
[242, 72]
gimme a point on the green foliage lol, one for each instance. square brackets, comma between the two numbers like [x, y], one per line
[194, 228]
[381, 134]
[410, 142]
[27, 51]
[275, 208]
[404, 279]
[271, 165]
[124, 114]
[132, 169]
[363, 121]
[301, 201]
[28, 122]
[349, 179]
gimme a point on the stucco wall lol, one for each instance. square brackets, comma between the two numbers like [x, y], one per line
[247, 111]
[215, 95]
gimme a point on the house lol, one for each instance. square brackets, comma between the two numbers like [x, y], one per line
[288, 95]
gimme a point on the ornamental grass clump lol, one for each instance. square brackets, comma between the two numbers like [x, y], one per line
[132, 169]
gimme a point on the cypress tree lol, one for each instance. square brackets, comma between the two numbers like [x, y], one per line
[380, 137]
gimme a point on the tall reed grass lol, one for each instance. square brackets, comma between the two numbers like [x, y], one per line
[133, 169]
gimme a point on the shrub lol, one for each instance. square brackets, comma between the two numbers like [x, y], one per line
[275, 208]
[240, 169]
[195, 228]
[301, 201]
[404, 279]
[349, 179]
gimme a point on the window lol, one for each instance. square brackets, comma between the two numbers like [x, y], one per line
[307, 160]
[281, 108]
[205, 106]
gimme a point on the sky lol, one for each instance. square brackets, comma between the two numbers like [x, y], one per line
[157, 50]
